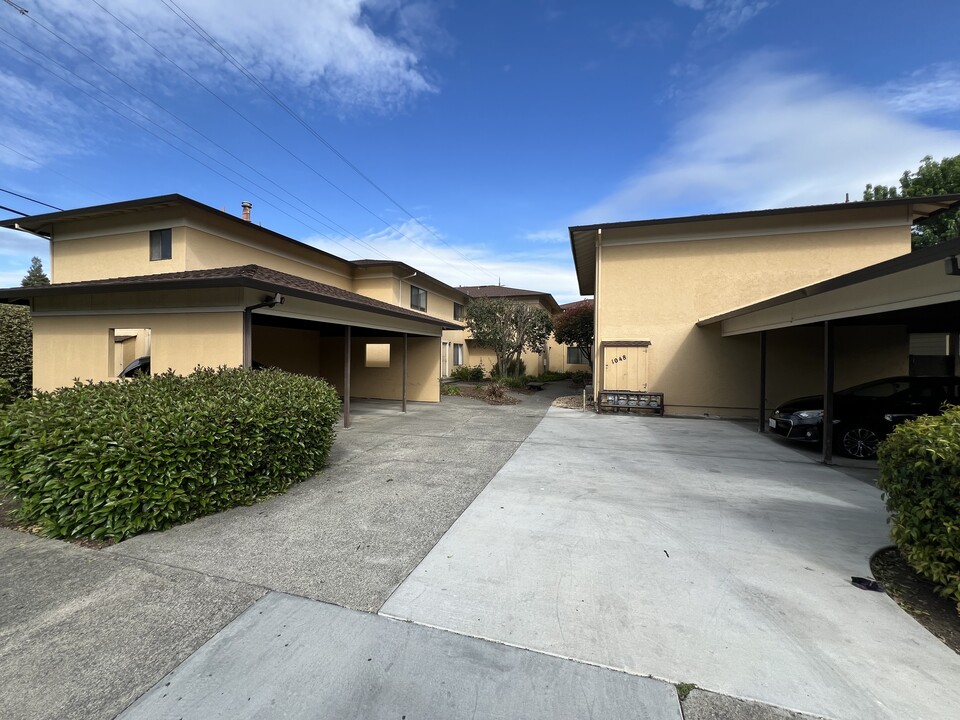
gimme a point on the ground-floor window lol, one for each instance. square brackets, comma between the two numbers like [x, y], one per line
[457, 354]
[578, 356]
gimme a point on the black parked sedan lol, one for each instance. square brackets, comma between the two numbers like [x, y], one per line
[865, 414]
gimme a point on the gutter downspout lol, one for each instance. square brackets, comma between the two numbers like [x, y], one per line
[248, 327]
[597, 360]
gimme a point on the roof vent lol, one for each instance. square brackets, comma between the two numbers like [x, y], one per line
[246, 205]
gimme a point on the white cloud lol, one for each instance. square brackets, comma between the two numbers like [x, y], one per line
[558, 235]
[328, 48]
[535, 268]
[762, 137]
[934, 89]
[722, 17]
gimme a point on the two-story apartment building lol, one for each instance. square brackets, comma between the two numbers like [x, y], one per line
[191, 285]
[657, 283]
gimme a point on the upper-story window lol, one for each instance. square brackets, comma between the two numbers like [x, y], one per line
[458, 311]
[161, 244]
[418, 298]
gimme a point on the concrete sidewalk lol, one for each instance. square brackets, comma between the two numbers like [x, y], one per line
[690, 550]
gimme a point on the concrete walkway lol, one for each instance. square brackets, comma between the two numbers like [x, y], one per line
[690, 550]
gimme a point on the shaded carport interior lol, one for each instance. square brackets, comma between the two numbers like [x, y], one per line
[269, 300]
[919, 292]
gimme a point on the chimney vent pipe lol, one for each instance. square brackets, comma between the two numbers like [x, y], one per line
[246, 205]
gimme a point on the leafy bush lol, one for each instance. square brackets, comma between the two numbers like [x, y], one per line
[494, 391]
[450, 390]
[579, 377]
[511, 370]
[920, 477]
[16, 348]
[111, 460]
[466, 373]
[511, 382]
[7, 395]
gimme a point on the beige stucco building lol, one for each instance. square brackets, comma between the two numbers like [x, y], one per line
[534, 362]
[655, 280]
[189, 285]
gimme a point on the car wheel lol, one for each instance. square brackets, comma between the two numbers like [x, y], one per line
[859, 442]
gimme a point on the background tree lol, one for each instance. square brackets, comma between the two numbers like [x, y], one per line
[508, 328]
[574, 327]
[931, 178]
[35, 276]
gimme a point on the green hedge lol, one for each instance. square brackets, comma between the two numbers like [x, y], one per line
[16, 348]
[111, 460]
[920, 477]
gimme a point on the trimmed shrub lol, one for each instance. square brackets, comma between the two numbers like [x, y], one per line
[16, 348]
[920, 477]
[112, 460]
[7, 395]
[514, 383]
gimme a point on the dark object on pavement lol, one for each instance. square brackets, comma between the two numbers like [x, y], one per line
[866, 584]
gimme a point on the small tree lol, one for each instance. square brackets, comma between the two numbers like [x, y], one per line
[508, 328]
[933, 177]
[35, 276]
[574, 326]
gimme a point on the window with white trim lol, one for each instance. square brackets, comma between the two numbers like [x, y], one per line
[457, 354]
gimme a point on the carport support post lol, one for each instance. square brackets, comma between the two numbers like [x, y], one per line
[346, 377]
[404, 389]
[827, 393]
[762, 423]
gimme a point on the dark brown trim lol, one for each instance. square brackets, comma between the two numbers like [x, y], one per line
[346, 377]
[624, 343]
[952, 199]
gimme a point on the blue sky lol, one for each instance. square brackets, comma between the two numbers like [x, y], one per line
[490, 126]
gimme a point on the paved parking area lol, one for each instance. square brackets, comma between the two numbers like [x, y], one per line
[690, 550]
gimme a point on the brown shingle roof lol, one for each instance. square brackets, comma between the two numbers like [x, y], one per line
[253, 276]
[502, 291]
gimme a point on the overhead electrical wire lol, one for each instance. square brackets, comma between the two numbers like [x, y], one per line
[330, 224]
[38, 202]
[4, 207]
[276, 142]
[40, 164]
[148, 130]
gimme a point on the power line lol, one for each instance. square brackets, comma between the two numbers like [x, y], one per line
[4, 207]
[38, 202]
[40, 164]
[162, 139]
[151, 121]
[210, 40]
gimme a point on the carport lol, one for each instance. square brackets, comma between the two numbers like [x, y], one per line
[917, 293]
[237, 316]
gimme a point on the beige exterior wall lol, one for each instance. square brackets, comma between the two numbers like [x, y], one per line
[108, 256]
[70, 346]
[385, 383]
[205, 250]
[557, 359]
[657, 290]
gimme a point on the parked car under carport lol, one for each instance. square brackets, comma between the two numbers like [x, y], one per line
[864, 414]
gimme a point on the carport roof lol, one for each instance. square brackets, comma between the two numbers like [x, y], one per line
[249, 276]
[917, 280]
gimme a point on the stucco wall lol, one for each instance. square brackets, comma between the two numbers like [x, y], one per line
[385, 383]
[68, 347]
[657, 291]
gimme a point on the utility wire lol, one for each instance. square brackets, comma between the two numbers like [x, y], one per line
[162, 139]
[227, 55]
[65, 177]
[4, 207]
[64, 40]
[206, 37]
[38, 202]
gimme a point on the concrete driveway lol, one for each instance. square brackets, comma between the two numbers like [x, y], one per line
[689, 550]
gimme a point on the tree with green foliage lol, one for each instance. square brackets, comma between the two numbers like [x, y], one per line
[16, 349]
[574, 327]
[35, 276]
[933, 177]
[508, 328]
